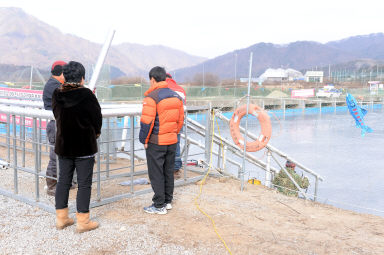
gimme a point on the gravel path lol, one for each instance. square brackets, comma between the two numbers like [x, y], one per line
[28, 230]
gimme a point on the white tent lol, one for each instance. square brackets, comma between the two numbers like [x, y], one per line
[280, 74]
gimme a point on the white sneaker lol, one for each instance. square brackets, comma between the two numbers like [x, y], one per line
[168, 206]
[152, 209]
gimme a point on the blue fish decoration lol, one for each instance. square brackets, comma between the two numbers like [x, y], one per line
[358, 114]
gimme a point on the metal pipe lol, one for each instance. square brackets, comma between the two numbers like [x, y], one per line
[192, 141]
[23, 139]
[232, 147]
[101, 59]
[113, 138]
[15, 177]
[207, 135]
[98, 197]
[8, 138]
[39, 147]
[107, 144]
[316, 187]
[35, 146]
[132, 149]
[186, 145]
[246, 122]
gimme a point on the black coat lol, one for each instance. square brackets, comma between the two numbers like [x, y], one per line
[78, 122]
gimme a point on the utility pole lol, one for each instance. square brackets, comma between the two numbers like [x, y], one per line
[203, 76]
[30, 78]
[234, 91]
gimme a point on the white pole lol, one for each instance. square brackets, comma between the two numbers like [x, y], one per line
[125, 131]
[100, 60]
[246, 122]
[30, 78]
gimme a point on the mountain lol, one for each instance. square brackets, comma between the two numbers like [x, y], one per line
[366, 46]
[147, 57]
[301, 55]
[25, 40]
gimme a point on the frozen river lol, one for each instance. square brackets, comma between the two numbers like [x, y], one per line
[331, 145]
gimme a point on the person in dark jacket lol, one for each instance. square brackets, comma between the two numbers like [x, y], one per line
[53, 83]
[78, 121]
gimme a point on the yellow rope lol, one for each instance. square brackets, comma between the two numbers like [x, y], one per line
[201, 188]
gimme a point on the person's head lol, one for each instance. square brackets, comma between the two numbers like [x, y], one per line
[74, 72]
[57, 70]
[157, 74]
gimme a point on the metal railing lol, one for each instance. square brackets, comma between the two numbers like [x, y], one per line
[25, 148]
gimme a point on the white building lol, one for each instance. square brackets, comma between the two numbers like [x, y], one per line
[280, 74]
[314, 76]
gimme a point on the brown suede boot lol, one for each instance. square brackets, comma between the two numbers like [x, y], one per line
[84, 224]
[62, 219]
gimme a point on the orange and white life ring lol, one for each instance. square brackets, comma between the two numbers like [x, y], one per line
[265, 122]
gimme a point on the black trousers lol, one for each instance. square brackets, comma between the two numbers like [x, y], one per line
[84, 169]
[51, 134]
[161, 161]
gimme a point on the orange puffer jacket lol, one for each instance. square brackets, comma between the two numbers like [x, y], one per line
[162, 116]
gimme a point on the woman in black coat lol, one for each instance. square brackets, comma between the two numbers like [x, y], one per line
[78, 121]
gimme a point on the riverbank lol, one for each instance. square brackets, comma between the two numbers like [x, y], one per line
[256, 221]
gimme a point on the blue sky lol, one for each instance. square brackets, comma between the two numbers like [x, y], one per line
[209, 28]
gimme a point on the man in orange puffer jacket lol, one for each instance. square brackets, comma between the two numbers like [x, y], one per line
[161, 120]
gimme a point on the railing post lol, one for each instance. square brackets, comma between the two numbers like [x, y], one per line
[316, 187]
[39, 146]
[268, 170]
[114, 139]
[132, 149]
[36, 151]
[98, 158]
[224, 157]
[108, 143]
[208, 136]
[186, 149]
[8, 138]
[23, 137]
[219, 157]
[16, 187]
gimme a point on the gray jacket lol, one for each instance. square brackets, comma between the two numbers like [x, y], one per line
[49, 88]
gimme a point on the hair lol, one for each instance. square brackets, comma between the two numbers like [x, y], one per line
[158, 73]
[57, 70]
[73, 72]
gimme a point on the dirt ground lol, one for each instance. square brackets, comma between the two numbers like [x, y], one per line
[256, 221]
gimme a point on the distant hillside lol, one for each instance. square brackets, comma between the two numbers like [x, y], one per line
[365, 46]
[21, 73]
[25, 40]
[148, 56]
[300, 55]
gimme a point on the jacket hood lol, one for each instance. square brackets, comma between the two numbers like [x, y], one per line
[159, 85]
[72, 97]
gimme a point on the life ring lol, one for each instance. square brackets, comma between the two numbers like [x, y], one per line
[265, 122]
